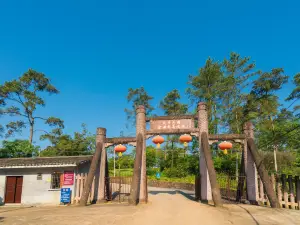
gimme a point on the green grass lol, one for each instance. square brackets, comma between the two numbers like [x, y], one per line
[123, 172]
[189, 179]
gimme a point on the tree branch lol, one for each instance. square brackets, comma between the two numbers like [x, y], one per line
[38, 117]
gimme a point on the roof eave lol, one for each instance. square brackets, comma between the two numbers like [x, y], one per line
[38, 166]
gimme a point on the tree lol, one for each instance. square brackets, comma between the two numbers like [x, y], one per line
[137, 97]
[206, 87]
[17, 149]
[172, 107]
[1, 130]
[20, 98]
[237, 71]
[82, 143]
[263, 105]
[295, 95]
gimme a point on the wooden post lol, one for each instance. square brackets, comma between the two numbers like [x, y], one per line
[291, 189]
[284, 191]
[297, 182]
[103, 173]
[250, 168]
[136, 179]
[206, 192]
[106, 179]
[197, 188]
[263, 174]
[216, 194]
[93, 191]
[141, 129]
[100, 139]
[273, 180]
[261, 191]
[81, 186]
[279, 192]
[77, 198]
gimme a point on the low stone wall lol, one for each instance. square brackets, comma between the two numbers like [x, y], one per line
[166, 184]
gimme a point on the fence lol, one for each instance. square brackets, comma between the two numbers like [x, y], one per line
[118, 188]
[79, 185]
[229, 187]
[287, 189]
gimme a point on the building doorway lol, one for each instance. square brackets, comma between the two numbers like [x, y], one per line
[13, 191]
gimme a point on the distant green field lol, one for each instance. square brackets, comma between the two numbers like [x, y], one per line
[122, 172]
[221, 178]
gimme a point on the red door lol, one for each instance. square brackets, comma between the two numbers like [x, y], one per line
[18, 193]
[13, 190]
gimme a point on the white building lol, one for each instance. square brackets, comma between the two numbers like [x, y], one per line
[33, 181]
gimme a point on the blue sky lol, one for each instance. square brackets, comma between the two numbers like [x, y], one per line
[93, 51]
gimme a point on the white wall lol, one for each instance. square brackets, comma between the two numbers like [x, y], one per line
[35, 191]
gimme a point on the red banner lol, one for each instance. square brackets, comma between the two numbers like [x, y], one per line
[68, 178]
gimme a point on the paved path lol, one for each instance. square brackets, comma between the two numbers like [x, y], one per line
[165, 207]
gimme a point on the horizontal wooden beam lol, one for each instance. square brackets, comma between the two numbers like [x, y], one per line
[171, 117]
[126, 140]
[225, 137]
[120, 140]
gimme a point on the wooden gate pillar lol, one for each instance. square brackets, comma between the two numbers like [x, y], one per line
[250, 168]
[141, 130]
[206, 194]
[100, 144]
[101, 136]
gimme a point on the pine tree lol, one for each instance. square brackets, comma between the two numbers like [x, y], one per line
[20, 98]
[206, 87]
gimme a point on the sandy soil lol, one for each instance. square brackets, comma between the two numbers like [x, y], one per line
[163, 208]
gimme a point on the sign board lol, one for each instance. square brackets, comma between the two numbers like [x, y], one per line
[65, 195]
[171, 124]
[68, 178]
[158, 175]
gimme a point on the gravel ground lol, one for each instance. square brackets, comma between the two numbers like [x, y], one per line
[164, 207]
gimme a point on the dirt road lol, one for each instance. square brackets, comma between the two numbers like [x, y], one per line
[163, 208]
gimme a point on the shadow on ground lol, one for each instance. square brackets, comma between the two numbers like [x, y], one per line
[187, 195]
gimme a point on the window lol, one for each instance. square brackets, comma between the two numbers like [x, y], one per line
[39, 176]
[56, 180]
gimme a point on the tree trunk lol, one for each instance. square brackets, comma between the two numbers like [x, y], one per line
[275, 157]
[31, 132]
[216, 194]
[263, 174]
[136, 179]
[275, 147]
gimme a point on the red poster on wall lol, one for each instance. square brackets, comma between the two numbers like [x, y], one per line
[68, 178]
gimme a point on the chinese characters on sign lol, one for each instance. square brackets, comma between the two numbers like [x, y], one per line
[171, 124]
[68, 178]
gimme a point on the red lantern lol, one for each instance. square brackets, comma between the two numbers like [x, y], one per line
[158, 140]
[225, 146]
[120, 149]
[185, 139]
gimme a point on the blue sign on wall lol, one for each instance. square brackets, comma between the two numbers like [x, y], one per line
[65, 195]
